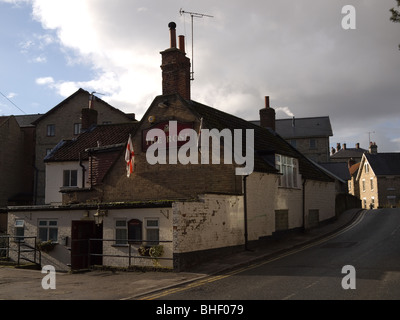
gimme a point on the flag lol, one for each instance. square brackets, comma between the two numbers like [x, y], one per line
[129, 157]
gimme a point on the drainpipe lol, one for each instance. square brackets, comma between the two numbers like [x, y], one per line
[83, 170]
[304, 204]
[245, 213]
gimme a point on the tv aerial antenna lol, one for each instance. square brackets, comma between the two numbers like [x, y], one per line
[193, 15]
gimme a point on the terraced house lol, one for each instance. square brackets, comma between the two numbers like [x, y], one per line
[175, 214]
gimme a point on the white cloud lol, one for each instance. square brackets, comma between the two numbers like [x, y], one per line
[45, 81]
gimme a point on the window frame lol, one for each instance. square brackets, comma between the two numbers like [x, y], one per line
[289, 169]
[148, 230]
[51, 130]
[121, 241]
[48, 227]
[77, 129]
[18, 235]
[70, 178]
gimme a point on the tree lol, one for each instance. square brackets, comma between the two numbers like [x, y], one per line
[395, 15]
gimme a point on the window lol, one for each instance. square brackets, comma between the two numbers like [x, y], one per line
[313, 144]
[121, 232]
[372, 206]
[365, 203]
[152, 232]
[293, 143]
[70, 178]
[48, 151]
[51, 130]
[48, 230]
[107, 122]
[349, 185]
[372, 183]
[289, 169]
[19, 230]
[366, 166]
[363, 185]
[135, 231]
[77, 128]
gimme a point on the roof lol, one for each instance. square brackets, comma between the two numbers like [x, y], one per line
[266, 142]
[339, 169]
[296, 128]
[354, 168]
[27, 120]
[3, 119]
[349, 153]
[98, 135]
[80, 91]
[384, 163]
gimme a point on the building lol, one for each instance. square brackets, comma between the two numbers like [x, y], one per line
[64, 122]
[186, 210]
[308, 135]
[378, 180]
[344, 154]
[81, 163]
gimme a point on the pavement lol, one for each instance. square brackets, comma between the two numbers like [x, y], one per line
[21, 284]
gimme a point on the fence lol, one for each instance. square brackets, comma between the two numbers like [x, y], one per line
[20, 249]
[90, 252]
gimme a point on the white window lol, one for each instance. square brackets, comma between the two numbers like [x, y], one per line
[363, 185]
[19, 230]
[121, 232]
[349, 185]
[70, 178]
[48, 230]
[152, 232]
[289, 169]
[372, 183]
[372, 203]
[366, 167]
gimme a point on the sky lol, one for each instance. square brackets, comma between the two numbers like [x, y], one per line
[299, 53]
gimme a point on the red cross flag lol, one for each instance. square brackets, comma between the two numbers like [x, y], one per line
[129, 157]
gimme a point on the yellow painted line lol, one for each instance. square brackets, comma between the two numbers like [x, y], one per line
[255, 265]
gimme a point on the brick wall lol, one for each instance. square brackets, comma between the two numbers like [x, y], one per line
[11, 160]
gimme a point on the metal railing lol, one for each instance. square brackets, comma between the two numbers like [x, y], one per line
[19, 248]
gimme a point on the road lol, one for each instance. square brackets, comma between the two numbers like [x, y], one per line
[371, 245]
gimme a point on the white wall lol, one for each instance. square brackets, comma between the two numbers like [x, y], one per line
[215, 221]
[54, 179]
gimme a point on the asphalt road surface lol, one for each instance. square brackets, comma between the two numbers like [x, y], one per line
[370, 248]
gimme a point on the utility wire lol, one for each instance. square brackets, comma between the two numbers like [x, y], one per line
[13, 103]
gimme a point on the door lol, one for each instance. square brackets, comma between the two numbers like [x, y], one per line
[81, 232]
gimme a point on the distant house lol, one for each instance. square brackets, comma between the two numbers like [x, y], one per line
[64, 122]
[308, 135]
[344, 154]
[378, 179]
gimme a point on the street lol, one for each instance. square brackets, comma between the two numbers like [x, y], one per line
[371, 245]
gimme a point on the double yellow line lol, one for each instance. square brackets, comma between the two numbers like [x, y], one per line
[255, 265]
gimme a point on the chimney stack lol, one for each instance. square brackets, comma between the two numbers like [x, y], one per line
[357, 145]
[373, 148]
[89, 115]
[175, 67]
[351, 162]
[267, 116]
[338, 147]
[344, 146]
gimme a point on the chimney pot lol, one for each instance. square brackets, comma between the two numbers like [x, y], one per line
[267, 105]
[172, 30]
[357, 145]
[344, 146]
[338, 147]
[182, 43]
